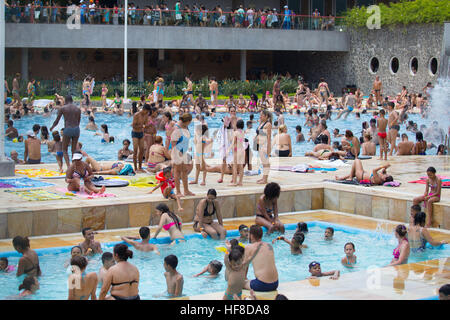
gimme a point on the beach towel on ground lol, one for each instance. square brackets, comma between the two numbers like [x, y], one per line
[39, 195]
[333, 163]
[144, 182]
[84, 195]
[297, 168]
[39, 173]
[24, 183]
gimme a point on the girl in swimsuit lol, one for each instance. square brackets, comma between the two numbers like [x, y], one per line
[401, 253]
[169, 127]
[29, 263]
[122, 278]
[432, 194]
[170, 222]
[350, 259]
[203, 144]
[418, 234]
[238, 147]
[267, 209]
[82, 285]
[204, 221]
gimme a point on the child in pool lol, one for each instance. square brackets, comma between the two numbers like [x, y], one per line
[75, 251]
[29, 286]
[236, 270]
[4, 266]
[174, 279]
[213, 268]
[167, 185]
[350, 259]
[107, 261]
[301, 227]
[243, 233]
[329, 232]
[296, 243]
[144, 245]
[316, 272]
[89, 245]
[432, 194]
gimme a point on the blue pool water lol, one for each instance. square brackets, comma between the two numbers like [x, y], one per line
[372, 249]
[120, 128]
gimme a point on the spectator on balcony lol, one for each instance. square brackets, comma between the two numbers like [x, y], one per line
[240, 13]
[187, 15]
[275, 18]
[83, 12]
[92, 10]
[250, 17]
[287, 18]
[263, 19]
[156, 15]
[328, 23]
[178, 16]
[147, 16]
[45, 13]
[115, 15]
[316, 18]
[222, 18]
[165, 15]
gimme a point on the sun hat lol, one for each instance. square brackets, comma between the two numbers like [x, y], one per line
[77, 156]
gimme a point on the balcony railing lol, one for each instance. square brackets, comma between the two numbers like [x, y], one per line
[157, 17]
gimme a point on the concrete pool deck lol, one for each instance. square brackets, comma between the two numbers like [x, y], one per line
[410, 281]
[134, 207]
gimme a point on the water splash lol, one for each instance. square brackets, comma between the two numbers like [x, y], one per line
[440, 110]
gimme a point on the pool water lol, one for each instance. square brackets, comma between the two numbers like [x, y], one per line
[372, 249]
[120, 128]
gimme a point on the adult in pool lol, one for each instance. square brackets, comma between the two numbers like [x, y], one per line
[170, 222]
[401, 253]
[82, 285]
[122, 278]
[204, 221]
[144, 245]
[418, 234]
[267, 209]
[29, 263]
[375, 178]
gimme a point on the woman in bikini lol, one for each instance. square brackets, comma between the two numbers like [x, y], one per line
[418, 234]
[267, 209]
[98, 168]
[104, 93]
[432, 194]
[401, 253]
[158, 156]
[283, 142]
[29, 263]
[375, 178]
[253, 103]
[150, 130]
[82, 285]
[170, 222]
[81, 170]
[204, 221]
[122, 278]
[323, 90]
[169, 127]
[263, 141]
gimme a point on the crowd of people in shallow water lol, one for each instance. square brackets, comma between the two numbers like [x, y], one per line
[172, 161]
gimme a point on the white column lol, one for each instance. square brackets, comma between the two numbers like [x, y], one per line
[125, 53]
[243, 65]
[24, 68]
[141, 65]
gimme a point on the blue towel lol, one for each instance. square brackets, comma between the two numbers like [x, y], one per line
[25, 182]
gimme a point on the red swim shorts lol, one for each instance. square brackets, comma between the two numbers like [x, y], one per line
[382, 135]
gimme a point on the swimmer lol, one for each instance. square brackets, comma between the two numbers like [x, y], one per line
[329, 232]
[106, 137]
[243, 233]
[5, 266]
[418, 234]
[296, 243]
[170, 222]
[368, 147]
[29, 262]
[144, 245]
[167, 185]
[174, 279]
[29, 286]
[444, 292]
[432, 194]
[89, 245]
[75, 251]
[213, 268]
[350, 259]
[107, 262]
[300, 137]
[91, 126]
[401, 253]
[301, 227]
[82, 285]
[15, 157]
[405, 147]
[316, 272]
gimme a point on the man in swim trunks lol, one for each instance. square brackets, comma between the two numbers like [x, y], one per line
[16, 88]
[266, 274]
[140, 119]
[276, 89]
[377, 86]
[214, 88]
[405, 147]
[71, 133]
[32, 154]
[393, 127]
[189, 91]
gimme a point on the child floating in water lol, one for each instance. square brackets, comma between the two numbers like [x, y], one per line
[316, 272]
[174, 279]
[329, 232]
[4, 266]
[350, 259]
[213, 268]
[296, 243]
[167, 185]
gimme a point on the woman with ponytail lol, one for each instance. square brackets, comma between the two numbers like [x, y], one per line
[170, 222]
[122, 278]
[29, 263]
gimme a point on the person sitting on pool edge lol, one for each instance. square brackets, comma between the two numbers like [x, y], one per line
[375, 178]
[89, 245]
[124, 153]
[144, 245]
[78, 170]
[170, 222]
[115, 169]
[204, 221]
[267, 209]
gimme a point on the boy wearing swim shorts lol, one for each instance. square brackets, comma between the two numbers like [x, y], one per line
[382, 134]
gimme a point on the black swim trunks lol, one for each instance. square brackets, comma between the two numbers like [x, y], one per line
[137, 135]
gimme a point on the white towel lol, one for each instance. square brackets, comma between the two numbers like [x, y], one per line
[335, 164]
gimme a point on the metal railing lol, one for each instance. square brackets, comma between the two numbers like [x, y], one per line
[260, 19]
